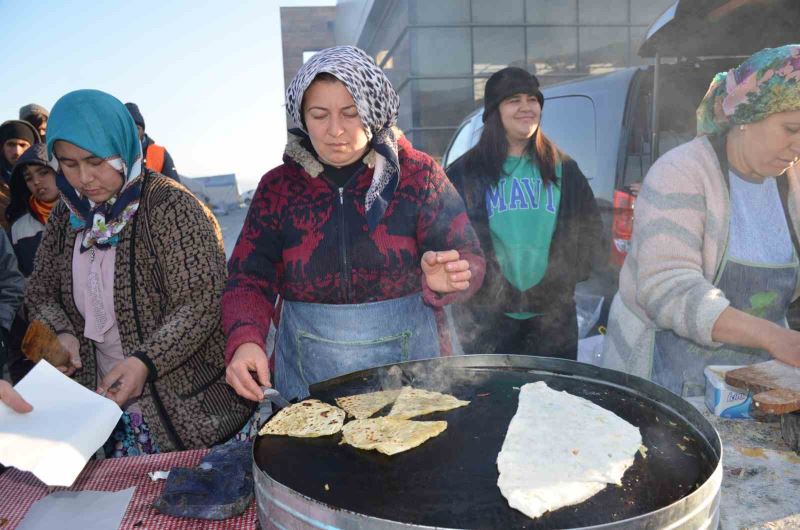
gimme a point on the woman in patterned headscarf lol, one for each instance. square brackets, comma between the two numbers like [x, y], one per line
[128, 276]
[714, 261]
[362, 236]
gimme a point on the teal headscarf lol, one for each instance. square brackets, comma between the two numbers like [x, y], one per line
[99, 123]
[766, 83]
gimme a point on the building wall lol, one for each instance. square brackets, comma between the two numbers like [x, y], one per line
[439, 53]
[304, 29]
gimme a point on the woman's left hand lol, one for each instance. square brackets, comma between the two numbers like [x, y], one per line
[445, 272]
[125, 381]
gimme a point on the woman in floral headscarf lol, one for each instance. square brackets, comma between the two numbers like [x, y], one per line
[128, 275]
[362, 236]
[714, 261]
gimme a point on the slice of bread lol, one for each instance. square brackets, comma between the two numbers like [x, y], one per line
[41, 343]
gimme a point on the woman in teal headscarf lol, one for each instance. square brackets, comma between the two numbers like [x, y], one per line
[128, 276]
[714, 259]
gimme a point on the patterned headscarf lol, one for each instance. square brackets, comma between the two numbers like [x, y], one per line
[99, 123]
[766, 83]
[377, 105]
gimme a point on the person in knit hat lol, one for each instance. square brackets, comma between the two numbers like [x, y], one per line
[16, 136]
[156, 157]
[37, 116]
[538, 224]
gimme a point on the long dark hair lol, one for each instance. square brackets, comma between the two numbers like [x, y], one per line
[485, 160]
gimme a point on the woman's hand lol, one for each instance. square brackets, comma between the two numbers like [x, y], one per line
[10, 397]
[248, 358]
[125, 381]
[445, 272]
[73, 346]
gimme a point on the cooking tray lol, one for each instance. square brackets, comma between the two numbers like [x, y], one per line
[451, 480]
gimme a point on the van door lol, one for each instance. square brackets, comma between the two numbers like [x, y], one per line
[571, 123]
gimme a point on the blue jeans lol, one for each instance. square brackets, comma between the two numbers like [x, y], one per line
[321, 341]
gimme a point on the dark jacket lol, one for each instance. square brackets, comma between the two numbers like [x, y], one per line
[169, 165]
[169, 274]
[575, 248]
[12, 283]
[308, 241]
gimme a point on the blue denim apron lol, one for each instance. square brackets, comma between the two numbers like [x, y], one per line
[764, 291]
[321, 341]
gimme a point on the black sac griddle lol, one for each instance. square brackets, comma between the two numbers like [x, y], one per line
[450, 481]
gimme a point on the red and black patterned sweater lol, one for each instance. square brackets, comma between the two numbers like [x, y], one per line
[308, 241]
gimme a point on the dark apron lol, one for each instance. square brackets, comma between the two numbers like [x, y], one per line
[763, 291]
[321, 341]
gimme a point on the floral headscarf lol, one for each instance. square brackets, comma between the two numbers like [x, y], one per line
[99, 123]
[377, 104]
[766, 83]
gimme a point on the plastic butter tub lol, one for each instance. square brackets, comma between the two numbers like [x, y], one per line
[724, 400]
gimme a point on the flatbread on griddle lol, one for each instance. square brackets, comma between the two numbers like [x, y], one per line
[547, 463]
[390, 435]
[362, 406]
[413, 402]
[308, 419]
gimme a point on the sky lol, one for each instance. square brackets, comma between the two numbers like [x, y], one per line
[207, 76]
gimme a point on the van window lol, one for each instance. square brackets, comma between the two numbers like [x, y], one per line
[463, 141]
[570, 122]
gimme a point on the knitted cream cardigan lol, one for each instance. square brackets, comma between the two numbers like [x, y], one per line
[679, 239]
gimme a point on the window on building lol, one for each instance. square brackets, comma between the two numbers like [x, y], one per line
[551, 11]
[496, 48]
[440, 51]
[602, 49]
[497, 11]
[406, 105]
[440, 11]
[396, 62]
[552, 50]
[442, 102]
[603, 11]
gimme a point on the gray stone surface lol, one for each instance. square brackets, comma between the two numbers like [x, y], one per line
[761, 475]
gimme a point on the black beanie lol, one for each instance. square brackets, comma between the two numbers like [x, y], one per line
[18, 129]
[133, 109]
[507, 82]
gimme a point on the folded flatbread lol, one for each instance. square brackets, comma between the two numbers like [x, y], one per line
[413, 402]
[308, 419]
[390, 435]
[41, 343]
[561, 449]
[362, 406]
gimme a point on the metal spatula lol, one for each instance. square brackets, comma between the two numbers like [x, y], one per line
[275, 397]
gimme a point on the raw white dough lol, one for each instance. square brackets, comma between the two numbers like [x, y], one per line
[561, 449]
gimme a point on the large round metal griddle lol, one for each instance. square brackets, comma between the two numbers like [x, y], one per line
[451, 480]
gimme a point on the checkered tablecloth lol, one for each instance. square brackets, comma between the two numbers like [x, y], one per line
[19, 490]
